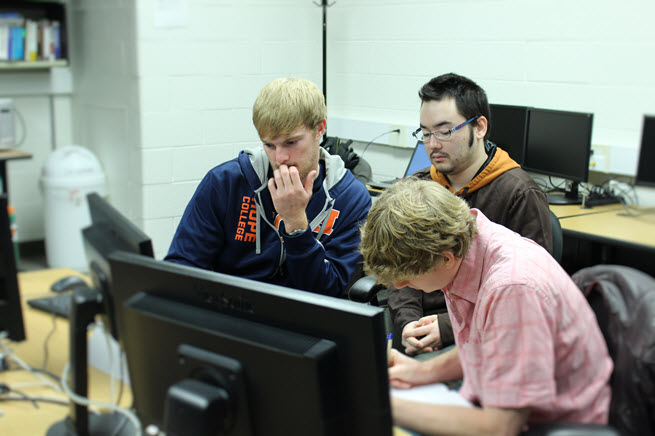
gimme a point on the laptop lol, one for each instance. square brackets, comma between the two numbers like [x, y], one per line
[418, 161]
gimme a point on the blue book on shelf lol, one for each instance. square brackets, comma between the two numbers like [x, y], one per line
[17, 50]
[56, 39]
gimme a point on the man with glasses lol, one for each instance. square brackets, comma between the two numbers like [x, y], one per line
[454, 126]
[287, 213]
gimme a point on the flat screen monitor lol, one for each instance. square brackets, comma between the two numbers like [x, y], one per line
[559, 144]
[419, 160]
[217, 354]
[109, 232]
[509, 128]
[11, 311]
[646, 164]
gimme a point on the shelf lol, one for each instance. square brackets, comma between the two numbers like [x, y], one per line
[34, 30]
[32, 65]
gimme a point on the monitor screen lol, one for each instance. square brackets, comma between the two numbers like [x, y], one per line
[418, 161]
[559, 144]
[11, 311]
[267, 360]
[646, 164]
[109, 231]
[508, 128]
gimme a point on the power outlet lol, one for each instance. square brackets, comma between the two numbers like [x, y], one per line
[398, 139]
[599, 160]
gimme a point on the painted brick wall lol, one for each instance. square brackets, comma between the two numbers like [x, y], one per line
[162, 105]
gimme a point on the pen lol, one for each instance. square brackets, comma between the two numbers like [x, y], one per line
[389, 343]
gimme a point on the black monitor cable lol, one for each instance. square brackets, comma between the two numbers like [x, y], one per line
[46, 353]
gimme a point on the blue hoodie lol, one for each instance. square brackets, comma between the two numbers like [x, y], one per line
[230, 226]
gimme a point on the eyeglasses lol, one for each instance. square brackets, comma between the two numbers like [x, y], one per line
[439, 134]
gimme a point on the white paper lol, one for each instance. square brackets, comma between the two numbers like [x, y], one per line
[437, 393]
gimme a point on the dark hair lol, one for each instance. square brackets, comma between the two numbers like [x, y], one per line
[470, 99]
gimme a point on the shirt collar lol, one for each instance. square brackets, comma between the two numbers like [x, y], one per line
[469, 276]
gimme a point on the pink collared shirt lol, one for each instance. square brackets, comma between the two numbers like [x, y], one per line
[525, 334]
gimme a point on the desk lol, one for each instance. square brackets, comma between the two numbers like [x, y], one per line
[570, 210]
[605, 234]
[615, 227]
[6, 155]
[21, 418]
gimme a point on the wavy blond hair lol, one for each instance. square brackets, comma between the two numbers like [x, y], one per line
[286, 104]
[409, 228]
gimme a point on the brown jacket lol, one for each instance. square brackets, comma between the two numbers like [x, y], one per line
[507, 195]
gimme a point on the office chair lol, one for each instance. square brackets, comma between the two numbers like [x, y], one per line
[558, 238]
[623, 300]
[366, 290]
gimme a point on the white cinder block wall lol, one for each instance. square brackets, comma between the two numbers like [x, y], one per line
[592, 56]
[177, 94]
[161, 105]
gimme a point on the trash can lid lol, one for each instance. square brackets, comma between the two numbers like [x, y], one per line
[71, 161]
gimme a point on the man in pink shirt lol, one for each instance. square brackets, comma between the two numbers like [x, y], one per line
[527, 343]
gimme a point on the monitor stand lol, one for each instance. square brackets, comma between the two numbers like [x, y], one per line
[570, 196]
[85, 305]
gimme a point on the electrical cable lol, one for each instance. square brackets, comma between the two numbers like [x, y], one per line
[361, 155]
[45, 342]
[50, 400]
[25, 366]
[86, 402]
[21, 120]
[6, 389]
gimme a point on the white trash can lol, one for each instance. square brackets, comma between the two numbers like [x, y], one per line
[68, 175]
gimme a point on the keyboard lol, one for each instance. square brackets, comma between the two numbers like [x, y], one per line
[599, 201]
[383, 184]
[57, 304]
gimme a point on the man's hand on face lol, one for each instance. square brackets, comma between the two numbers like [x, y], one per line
[291, 195]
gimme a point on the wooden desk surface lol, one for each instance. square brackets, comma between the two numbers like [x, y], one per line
[20, 417]
[615, 226]
[562, 211]
[10, 153]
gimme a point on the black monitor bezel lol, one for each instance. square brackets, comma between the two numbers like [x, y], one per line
[583, 175]
[277, 306]
[108, 232]
[645, 167]
[526, 115]
[11, 309]
[101, 211]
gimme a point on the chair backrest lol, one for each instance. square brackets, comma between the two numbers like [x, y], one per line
[558, 239]
[623, 299]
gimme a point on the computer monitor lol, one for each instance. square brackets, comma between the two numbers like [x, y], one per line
[108, 233]
[208, 350]
[646, 164]
[559, 144]
[508, 129]
[11, 311]
[419, 160]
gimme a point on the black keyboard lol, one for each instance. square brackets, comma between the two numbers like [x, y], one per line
[58, 304]
[599, 201]
[384, 184]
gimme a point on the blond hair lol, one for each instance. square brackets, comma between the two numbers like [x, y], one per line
[409, 228]
[287, 104]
